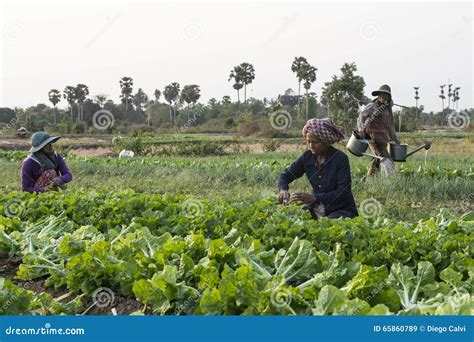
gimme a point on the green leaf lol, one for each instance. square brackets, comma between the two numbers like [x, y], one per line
[379, 310]
[330, 298]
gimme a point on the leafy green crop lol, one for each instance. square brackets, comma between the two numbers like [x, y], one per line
[251, 258]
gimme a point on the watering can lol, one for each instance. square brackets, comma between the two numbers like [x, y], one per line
[358, 147]
[399, 152]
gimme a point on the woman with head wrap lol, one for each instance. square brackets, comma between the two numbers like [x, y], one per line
[327, 170]
[43, 170]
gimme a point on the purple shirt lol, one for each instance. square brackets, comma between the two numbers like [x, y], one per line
[31, 171]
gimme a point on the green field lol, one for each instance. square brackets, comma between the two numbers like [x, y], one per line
[204, 235]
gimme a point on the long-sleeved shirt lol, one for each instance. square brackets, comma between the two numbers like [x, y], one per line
[331, 182]
[381, 127]
[31, 170]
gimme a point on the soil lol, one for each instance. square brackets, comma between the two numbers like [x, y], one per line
[123, 305]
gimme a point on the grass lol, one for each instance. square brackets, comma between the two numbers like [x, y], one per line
[247, 177]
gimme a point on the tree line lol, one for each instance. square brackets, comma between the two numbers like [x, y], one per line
[341, 99]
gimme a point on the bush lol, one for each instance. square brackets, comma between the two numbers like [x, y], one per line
[249, 126]
[270, 145]
[136, 130]
[79, 127]
[200, 149]
[134, 144]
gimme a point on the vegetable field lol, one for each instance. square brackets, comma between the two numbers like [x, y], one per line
[176, 235]
[181, 255]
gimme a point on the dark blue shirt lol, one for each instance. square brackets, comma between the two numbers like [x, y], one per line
[331, 182]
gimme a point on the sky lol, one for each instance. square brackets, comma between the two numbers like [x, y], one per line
[54, 44]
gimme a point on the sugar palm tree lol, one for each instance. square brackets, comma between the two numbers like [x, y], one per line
[308, 74]
[157, 94]
[171, 94]
[81, 94]
[69, 93]
[139, 100]
[54, 96]
[248, 73]
[190, 94]
[237, 75]
[126, 86]
[298, 64]
[101, 99]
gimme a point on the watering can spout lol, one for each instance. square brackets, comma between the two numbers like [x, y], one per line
[428, 145]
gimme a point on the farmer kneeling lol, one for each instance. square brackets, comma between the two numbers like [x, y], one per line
[328, 172]
[43, 170]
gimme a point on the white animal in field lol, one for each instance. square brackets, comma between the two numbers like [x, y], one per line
[126, 154]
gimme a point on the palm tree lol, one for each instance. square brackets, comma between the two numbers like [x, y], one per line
[226, 99]
[54, 96]
[242, 74]
[296, 66]
[81, 94]
[69, 93]
[190, 94]
[157, 94]
[248, 73]
[139, 99]
[101, 99]
[308, 74]
[171, 94]
[237, 75]
[126, 85]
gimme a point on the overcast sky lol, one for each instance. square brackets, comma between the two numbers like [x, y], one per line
[49, 45]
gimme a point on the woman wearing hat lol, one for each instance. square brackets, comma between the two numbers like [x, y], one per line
[327, 170]
[43, 169]
[375, 122]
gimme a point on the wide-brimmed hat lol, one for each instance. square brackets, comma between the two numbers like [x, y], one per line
[385, 89]
[40, 140]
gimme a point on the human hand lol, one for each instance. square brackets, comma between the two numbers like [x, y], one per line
[303, 198]
[283, 196]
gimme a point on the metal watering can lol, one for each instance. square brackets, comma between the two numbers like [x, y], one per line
[399, 152]
[358, 147]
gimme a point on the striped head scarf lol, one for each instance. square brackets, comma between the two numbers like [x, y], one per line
[325, 129]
